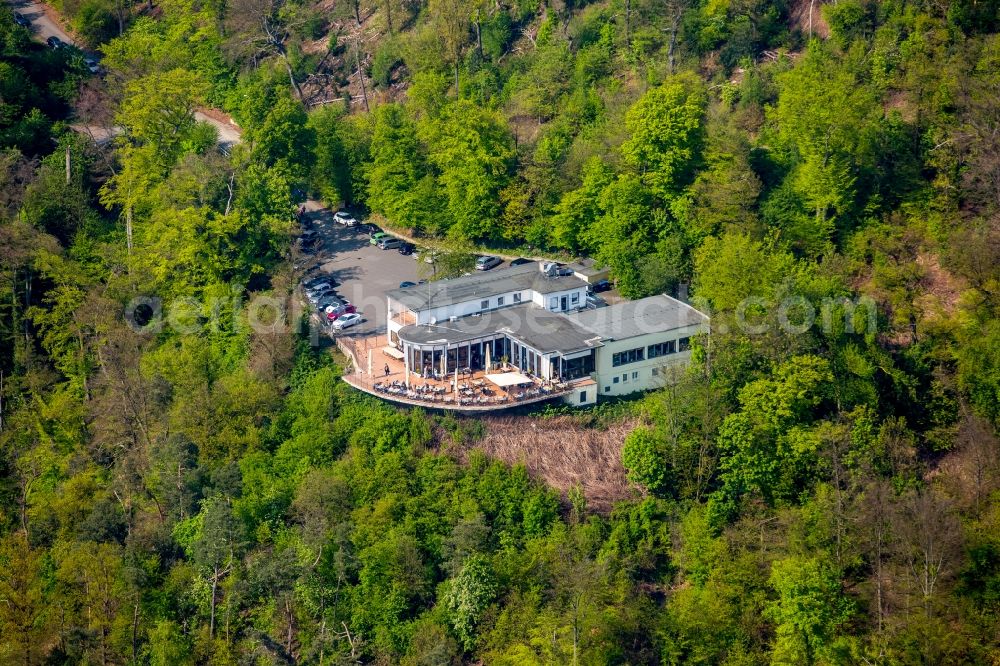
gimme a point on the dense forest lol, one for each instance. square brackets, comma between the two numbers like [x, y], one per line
[820, 487]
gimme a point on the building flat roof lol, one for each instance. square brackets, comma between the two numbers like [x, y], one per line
[587, 267]
[629, 319]
[536, 327]
[481, 285]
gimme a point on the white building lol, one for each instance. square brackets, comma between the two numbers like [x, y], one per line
[534, 319]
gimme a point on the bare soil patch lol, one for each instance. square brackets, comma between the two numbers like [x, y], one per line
[562, 453]
[806, 14]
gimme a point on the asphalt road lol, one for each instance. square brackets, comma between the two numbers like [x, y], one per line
[229, 135]
[42, 27]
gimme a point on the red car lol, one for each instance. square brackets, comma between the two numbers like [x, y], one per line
[335, 311]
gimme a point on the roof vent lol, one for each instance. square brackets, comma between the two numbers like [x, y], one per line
[549, 268]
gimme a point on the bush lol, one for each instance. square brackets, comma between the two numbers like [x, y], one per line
[386, 59]
[644, 460]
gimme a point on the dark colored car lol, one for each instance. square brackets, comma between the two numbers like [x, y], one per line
[599, 286]
[316, 281]
[21, 20]
[407, 283]
[407, 248]
[520, 261]
[54, 42]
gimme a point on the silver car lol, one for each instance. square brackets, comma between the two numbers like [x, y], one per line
[346, 321]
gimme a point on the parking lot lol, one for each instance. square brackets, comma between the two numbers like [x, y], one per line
[363, 271]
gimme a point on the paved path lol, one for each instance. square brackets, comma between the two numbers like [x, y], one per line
[43, 26]
[229, 135]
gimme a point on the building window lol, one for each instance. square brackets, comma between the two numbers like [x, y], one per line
[607, 389]
[684, 344]
[614, 381]
[499, 301]
[554, 303]
[626, 357]
[583, 396]
[517, 297]
[575, 298]
[485, 305]
[624, 378]
[656, 371]
[635, 376]
[662, 348]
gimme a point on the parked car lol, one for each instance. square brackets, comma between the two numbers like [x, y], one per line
[20, 19]
[320, 285]
[389, 243]
[317, 296]
[487, 262]
[92, 65]
[329, 301]
[407, 248]
[346, 321]
[369, 228]
[334, 313]
[54, 42]
[320, 290]
[341, 305]
[594, 302]
[520, 261]
[377, 236]
[345, 218]
[316, 281]
[599, 286]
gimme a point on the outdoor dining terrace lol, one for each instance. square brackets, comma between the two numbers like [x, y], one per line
[378, 371]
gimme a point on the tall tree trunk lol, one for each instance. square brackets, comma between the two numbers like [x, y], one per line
[291, 76]
[628, 25]
[673, 40]
[361, 74]
[479, 33]
[128, 229]
[211, 621]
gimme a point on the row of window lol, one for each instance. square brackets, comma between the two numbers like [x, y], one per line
[501, 301]
[652, 351]
[625, 377]
[629, 356]
[669, 347]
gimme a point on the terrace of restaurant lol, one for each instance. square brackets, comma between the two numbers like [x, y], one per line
[380, 370]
